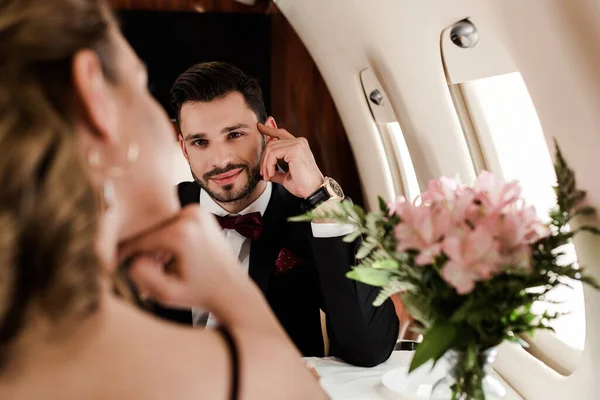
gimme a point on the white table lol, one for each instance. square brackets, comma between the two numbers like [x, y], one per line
[345, 382]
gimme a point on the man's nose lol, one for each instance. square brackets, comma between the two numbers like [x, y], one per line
[222, 156]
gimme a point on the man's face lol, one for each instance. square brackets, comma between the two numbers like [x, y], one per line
[223, 146]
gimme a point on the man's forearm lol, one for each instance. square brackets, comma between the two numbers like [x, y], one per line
[361, 333]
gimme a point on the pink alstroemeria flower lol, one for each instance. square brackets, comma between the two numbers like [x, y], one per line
[536, 229]
[401, 207]
[509, 229]
[472, 258]
[422, 228]
[494, 194]
[440, 190]
[515, 230]
[459, 200]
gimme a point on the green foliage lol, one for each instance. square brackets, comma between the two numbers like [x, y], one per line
[437, 340]
[389, 289]
[370, 276]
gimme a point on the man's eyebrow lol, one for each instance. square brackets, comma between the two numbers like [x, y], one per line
[234, 128]
[200, 135]
[194, 136]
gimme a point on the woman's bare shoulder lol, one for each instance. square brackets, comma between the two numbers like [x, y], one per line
[199, 361]
[133, 355]
[195, 363]
[121, 353]
[166, 360]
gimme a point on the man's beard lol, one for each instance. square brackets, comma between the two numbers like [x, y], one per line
[231, 196]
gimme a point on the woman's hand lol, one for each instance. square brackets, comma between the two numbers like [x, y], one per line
[183, 261]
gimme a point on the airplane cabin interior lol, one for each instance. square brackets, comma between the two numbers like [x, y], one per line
[393, 93]
[412, 107]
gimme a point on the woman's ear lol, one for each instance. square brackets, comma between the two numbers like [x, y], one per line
[93, 96]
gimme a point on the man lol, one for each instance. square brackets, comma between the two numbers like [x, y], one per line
[233, 150]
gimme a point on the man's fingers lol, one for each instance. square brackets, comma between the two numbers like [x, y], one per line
[274, 133]
[270, 158]
[279, 177]
[282, 149]
[264, 162]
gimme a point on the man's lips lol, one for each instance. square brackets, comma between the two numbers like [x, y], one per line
[226, 178]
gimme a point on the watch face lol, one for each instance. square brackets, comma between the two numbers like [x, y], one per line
[334, 189]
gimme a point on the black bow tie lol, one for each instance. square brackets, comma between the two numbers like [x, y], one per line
[248, 225]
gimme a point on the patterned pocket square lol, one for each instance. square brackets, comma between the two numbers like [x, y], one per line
[286, 260]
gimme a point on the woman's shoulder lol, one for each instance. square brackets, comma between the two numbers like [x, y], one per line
[199, 362]
[168, 360]
[158, 359]
[181, 339]
[122, 353]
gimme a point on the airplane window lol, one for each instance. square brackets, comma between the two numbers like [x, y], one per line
[404, 178]
[511, 140]
[402, 155]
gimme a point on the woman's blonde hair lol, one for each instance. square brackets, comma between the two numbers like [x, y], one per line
[48, 208]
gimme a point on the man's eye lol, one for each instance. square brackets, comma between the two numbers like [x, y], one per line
[235, 135]
[200, 143]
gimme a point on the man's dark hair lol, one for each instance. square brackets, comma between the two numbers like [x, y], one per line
[207, 81]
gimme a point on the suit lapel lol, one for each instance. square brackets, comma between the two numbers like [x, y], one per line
[264, 251]
[189, 192]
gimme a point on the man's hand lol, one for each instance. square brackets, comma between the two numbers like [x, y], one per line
[303, 177]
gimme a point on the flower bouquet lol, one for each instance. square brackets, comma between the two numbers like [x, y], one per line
[468, 263]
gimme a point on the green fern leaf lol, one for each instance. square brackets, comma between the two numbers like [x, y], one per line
[387, 264]
[365, 249]
[351, 237]
[389, 290]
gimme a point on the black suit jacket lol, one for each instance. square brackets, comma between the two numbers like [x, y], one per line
[359, 333]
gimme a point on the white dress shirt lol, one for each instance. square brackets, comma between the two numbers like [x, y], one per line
[240, 245]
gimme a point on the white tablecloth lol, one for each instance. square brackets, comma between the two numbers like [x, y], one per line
[345, 382]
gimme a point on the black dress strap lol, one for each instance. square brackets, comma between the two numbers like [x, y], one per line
[235, 367]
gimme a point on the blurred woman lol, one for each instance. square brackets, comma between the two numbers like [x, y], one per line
[84, 179]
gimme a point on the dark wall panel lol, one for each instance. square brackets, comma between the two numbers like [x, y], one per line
[170, 42]
[226, 6]
[257, 39]
[303, 105]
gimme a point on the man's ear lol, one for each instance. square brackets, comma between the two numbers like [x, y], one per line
[270, 122]
[92, 91]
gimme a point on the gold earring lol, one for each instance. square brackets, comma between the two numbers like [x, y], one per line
[133, 152]
[108, 193]
[94, 159]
